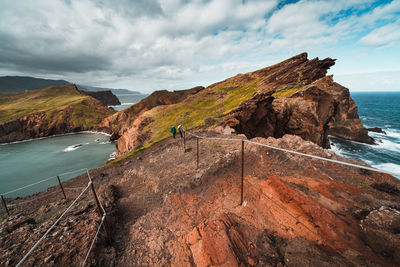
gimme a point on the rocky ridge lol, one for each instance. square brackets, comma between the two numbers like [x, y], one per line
[291, 97]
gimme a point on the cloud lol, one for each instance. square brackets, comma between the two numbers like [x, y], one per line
[384, 36]
[154, 44]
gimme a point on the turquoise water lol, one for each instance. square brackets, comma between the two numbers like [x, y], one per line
[30, 161]
[376, 109]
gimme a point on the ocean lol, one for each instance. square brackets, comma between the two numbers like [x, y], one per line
[376, 109]
[27, 162]
[127, 100]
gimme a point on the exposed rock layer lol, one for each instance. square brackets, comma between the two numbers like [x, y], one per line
[317, 110]
[165, 212]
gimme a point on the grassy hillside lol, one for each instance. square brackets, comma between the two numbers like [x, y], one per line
[215, 102]
[53, 102]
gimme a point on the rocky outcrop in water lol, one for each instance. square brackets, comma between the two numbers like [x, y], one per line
[107, 98]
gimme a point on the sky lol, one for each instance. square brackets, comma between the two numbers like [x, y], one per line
[147, 45]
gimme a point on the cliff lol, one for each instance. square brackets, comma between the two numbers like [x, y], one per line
[162, 211]
[54, 110]
[123, 124]
[291, 97]
[107, 98]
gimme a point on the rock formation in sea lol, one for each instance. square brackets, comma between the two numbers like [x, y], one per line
[107, 98]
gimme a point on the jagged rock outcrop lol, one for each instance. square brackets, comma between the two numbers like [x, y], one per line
[312, 112]
[107, 98]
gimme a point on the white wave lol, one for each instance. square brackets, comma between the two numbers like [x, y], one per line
[393, 134]
[105, 142]
[389, 145]
[389, 167]
[54, 135]
[112, 156]
[74, 147]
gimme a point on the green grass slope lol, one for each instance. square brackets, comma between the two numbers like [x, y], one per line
[54, 102]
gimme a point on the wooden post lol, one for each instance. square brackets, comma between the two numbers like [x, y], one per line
[62, 189]
[197, 151]
[99, 210]
[242, 176]
[184, 141]
[5, 205]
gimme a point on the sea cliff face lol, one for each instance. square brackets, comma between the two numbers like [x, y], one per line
[291, 97]
[54, 110]
[107, 98]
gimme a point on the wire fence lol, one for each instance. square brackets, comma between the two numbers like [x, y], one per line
[100, 209]
[242, 141]
[102, 212]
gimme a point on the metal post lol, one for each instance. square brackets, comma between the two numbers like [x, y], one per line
[242, 176]
[5, 205]
[99, 210]
[62, 189]
[197, 151]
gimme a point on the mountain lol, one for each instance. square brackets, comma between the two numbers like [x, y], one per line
[292, 97]
[54, 110]
[10, 84]
[113, 90]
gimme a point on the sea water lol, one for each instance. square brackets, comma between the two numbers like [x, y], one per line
[26, 162]
[128, 100]
[376, 109]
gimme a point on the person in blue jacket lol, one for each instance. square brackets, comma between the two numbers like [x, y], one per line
[173, 131]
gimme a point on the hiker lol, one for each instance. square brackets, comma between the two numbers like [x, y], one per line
[173, 131]
[180, 129]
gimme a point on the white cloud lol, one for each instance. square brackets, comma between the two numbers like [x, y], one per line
[150, 44]
[384, 36]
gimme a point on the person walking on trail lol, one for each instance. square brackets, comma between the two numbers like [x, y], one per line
[173, 131]
[180, 129]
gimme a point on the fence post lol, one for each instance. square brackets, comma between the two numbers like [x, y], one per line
[62, 188]
[197, 151]
[5, 205]
[184, 141]
[242, 176]
[99, 210]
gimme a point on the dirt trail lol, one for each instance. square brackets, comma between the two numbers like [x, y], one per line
[151, 176]
[162, 211]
